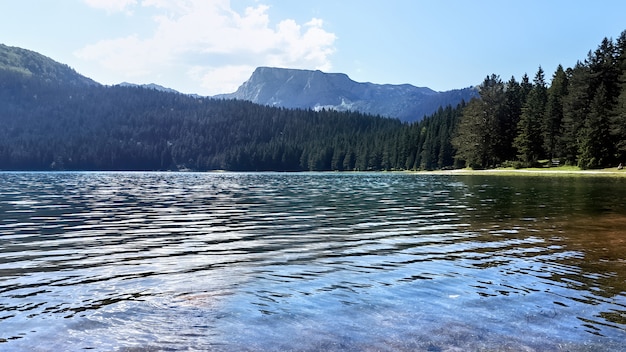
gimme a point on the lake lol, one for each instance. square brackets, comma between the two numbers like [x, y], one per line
[311, 262]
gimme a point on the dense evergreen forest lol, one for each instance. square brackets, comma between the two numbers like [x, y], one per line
[579, 119]
[50, 125]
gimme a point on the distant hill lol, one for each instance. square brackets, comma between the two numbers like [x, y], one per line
[52, 118]
[316, 90]
[30, 63]
[288, 88]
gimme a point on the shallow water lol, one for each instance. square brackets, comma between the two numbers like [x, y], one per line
[264, 261]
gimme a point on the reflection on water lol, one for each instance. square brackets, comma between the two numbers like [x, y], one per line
[363, 262]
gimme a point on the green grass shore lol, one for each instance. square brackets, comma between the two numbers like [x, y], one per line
[564, 171]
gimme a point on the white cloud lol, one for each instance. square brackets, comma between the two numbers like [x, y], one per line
[115, 55]
[228, 78]
[212, 46]
[112, 5]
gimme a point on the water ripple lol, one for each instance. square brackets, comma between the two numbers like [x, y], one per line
[158, 261]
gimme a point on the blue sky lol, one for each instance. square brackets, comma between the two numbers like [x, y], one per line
[212, 46]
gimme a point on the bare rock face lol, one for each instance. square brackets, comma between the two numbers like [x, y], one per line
[306, 89]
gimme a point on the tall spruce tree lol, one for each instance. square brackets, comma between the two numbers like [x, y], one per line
[604, 70]
[575, 109]
[478, 133]
[512, 111]
[619, 110]
[529, 141]
[594, 151]
[469, 140]
[553, 116]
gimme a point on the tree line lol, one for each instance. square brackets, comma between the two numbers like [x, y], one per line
[50, 125]
[579, 119]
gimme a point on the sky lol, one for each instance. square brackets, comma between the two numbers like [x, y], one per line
[209, 47]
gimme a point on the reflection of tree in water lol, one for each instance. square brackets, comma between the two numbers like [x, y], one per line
[602, 240]
[580, 228]
[512, 197]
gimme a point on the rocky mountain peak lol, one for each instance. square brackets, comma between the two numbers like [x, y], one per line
[314, 89]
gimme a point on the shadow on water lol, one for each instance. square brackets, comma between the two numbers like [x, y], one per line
[257, 262]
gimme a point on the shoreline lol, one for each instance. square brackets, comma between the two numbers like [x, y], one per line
[610, 172]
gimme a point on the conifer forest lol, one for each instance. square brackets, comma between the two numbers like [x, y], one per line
[573, 116]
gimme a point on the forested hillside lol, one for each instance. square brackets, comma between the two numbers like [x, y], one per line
[72, 123]
[31, 64]
[47, 126]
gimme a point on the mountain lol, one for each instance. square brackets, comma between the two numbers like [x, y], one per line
[52, 118]
[289, 88]
[306, 89]
[29, 63]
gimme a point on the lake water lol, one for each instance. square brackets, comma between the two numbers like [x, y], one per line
[311, 262]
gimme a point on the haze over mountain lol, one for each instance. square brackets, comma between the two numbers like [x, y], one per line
[304, 89]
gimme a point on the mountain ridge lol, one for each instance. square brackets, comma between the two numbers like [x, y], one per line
[279, 87]
[54, 119]
[30, 63]
[314, 89]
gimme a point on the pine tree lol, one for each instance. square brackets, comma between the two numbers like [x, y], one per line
[553, 116]
[529, 140]
[595, 152]
[469, 140]
[619, 110]
[575, 109]
[478, 133]
[604, 70]
[512, 111]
